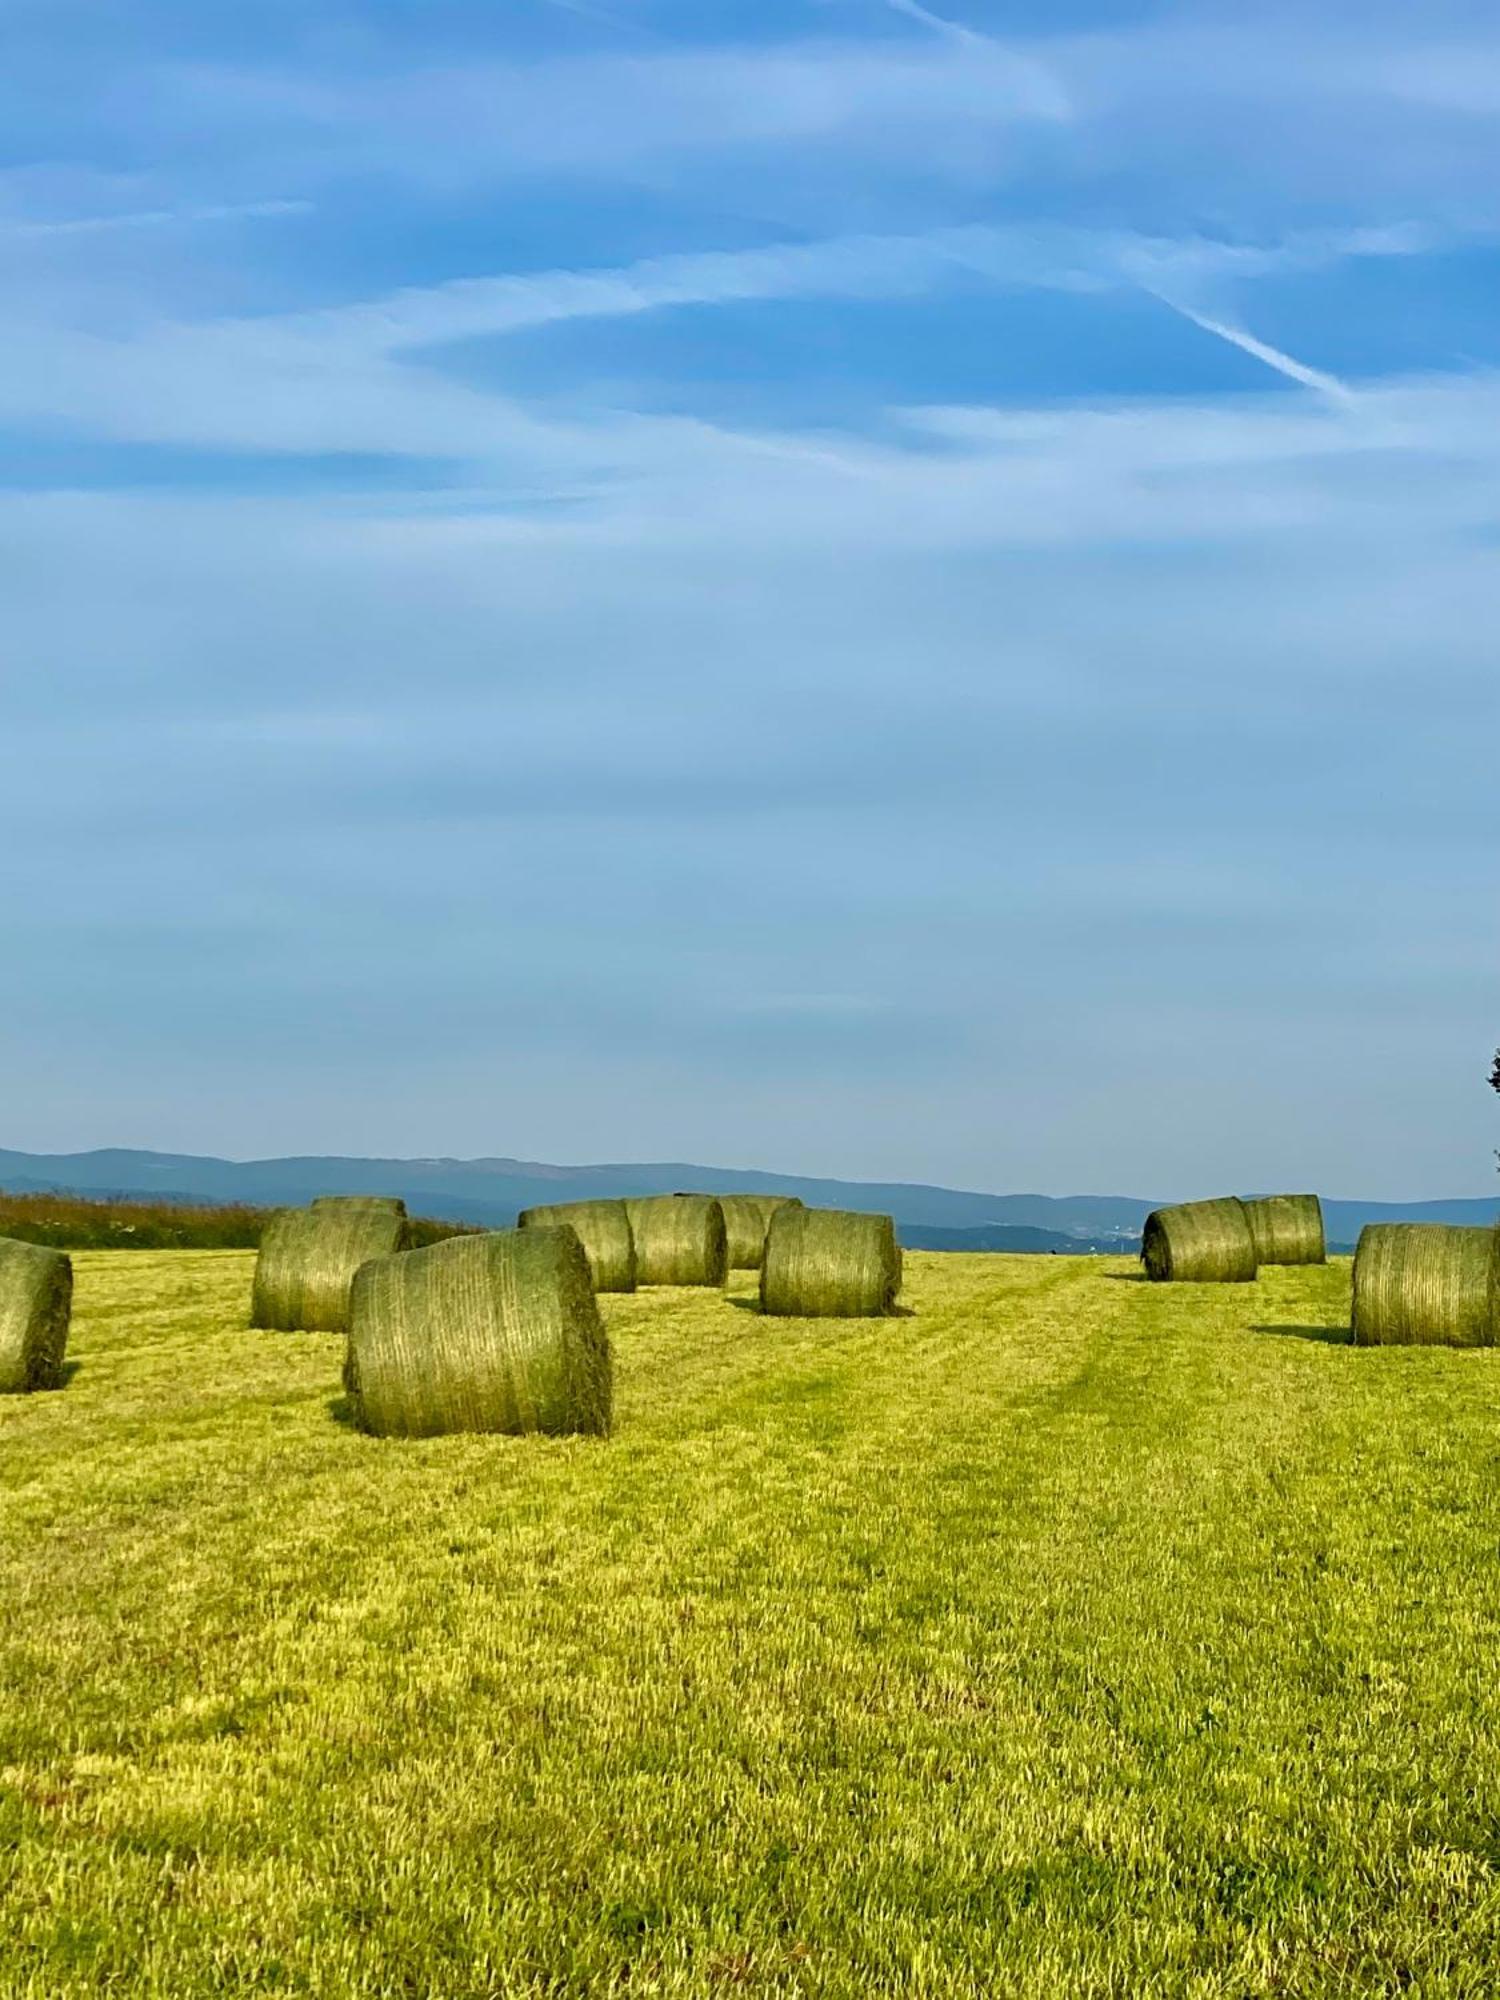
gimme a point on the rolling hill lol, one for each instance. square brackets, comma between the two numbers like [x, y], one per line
[492, 1190]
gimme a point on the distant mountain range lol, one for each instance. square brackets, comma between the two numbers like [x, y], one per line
[492, 1191]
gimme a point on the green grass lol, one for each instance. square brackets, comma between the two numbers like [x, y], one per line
[1074, 1636]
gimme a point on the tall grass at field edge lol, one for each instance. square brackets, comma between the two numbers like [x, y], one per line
[82, 1222]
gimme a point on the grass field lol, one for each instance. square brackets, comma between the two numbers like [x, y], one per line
[1073, 1636]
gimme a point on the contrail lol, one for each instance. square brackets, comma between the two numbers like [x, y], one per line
[587, 13]
[1284, 364]
[916, 13]
[1049, 98]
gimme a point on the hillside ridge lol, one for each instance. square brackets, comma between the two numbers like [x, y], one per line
[491, 1190]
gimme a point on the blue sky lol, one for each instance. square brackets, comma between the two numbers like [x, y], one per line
[837, 586]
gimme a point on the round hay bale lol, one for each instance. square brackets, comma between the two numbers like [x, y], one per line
[827, 1263]
[388, 1204]
[679, 1239]
[481, 1333]
[1424, 1284]
[36, 1298]
[603, 1228]
[1199, 1242]
[1288, 1229]
[747, 1217]
[308, 1258]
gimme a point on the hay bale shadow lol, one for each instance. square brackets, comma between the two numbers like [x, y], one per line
[59, 1380]
[341, 1409]
[754, 1306]
[1330, 1336]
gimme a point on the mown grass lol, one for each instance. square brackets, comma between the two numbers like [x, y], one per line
[1073, 1636]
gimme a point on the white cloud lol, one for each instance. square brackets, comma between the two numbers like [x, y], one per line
[349, 379]
[582, 115]
[1355, 106]
[155, 218]
[1046, 256]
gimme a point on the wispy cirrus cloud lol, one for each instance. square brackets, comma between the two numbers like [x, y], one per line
[599, 111]
[992, 685]
[153, 218]
[1365, 102]
[367, 377]
[1020, 256]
